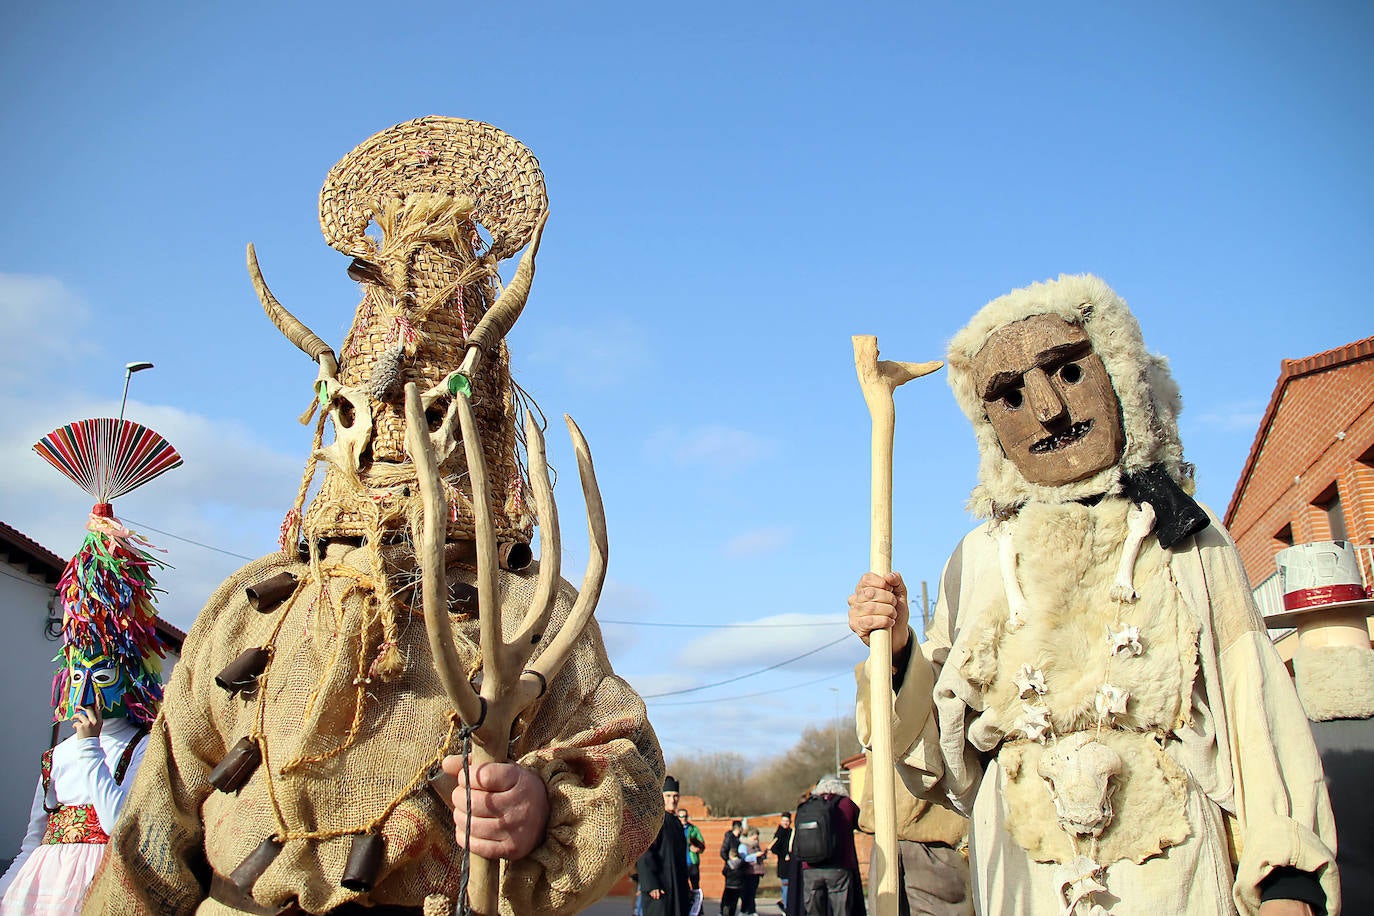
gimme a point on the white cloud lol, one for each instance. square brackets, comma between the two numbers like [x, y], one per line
[619, 601]
[720, 449]
[758, 542]
[781, 637]
[41, 320]
[1237, 416]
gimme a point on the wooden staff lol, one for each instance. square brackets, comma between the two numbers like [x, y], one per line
[878, 380]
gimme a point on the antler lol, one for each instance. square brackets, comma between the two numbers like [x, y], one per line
[508, 686]
[501, 317]
[289, 324]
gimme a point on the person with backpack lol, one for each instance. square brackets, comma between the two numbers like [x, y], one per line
[823, 841]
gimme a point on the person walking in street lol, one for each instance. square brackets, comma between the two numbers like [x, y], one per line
[731, 840]
[781, 850]
[824, 841]
[751, 850]
[696, 845]
[735, 871]
[663, 885]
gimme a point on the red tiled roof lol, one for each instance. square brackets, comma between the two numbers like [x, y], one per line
[21, 550]
[1290, 369]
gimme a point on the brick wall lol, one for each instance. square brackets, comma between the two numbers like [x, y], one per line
[1319, 439]
[713, 832]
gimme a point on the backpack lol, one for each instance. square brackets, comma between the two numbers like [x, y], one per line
[813, 833]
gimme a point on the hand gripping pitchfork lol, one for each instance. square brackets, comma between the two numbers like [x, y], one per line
[878, 380]
[512, 678]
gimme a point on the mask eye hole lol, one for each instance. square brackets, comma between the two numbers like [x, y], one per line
[343, 413]
[1013, 398]
[434, 415]
[1071, 373]
[105, 677]
[78, 676]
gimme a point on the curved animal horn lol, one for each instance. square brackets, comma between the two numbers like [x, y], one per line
[288, 324]
[501, 317]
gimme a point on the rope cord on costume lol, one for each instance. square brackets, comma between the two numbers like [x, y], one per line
[361, 678]
[466, 734]
[284, 833]
[291, 525]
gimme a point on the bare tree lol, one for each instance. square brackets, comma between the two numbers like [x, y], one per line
[732, 787]
[719, 778]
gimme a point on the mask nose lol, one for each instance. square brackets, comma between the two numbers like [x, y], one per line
[88, 694]
[1045, 401]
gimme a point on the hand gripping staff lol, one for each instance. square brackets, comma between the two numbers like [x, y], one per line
[878, 380]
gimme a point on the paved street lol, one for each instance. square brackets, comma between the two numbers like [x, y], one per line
[624, 906]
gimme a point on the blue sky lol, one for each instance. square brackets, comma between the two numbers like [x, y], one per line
[735, 190]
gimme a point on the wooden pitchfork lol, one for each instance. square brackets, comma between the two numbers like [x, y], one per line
[510, 680]
[878, 380]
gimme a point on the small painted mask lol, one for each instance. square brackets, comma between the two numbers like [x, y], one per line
[1050, 400]
[93, 681]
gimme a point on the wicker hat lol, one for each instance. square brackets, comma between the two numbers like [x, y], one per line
[436, 155]
[411, 205]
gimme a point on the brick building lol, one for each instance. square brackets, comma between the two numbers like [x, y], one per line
[1310, 472]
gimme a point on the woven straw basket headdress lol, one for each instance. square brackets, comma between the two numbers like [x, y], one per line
[407, 205]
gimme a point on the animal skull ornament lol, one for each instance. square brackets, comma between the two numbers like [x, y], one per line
[1079, 771]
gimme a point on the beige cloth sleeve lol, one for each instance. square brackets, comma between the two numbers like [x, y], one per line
[1282, 810]
[915, 730]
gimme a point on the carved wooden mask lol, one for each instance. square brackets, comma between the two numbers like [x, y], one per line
[1050, 400]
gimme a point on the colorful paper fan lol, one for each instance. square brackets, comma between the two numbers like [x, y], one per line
[106, 457]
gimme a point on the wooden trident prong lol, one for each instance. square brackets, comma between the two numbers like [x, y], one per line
[512, 678]
[878, 380]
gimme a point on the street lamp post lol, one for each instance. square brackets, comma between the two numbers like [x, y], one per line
[129, 370]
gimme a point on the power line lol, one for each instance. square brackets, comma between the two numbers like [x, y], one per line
[740, 677]
[746, 696]
[46, 588]
[625, 623]
[177, 537]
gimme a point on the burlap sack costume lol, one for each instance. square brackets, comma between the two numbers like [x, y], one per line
[348, 711]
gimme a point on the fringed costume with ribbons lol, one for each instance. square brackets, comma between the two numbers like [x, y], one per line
[309, 713]
[109, 665]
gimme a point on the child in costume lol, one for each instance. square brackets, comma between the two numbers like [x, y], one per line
[1098, 691]
[108, 684]
[296, 766]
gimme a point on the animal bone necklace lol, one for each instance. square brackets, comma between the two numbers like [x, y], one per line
[1081, 773]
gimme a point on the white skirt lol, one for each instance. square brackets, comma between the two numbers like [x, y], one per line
[53, 880]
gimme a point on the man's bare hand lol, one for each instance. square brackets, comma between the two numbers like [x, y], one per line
[510, 808]
[879, 603]
[1285, 908]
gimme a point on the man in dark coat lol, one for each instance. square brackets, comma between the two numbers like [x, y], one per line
[662, 869]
